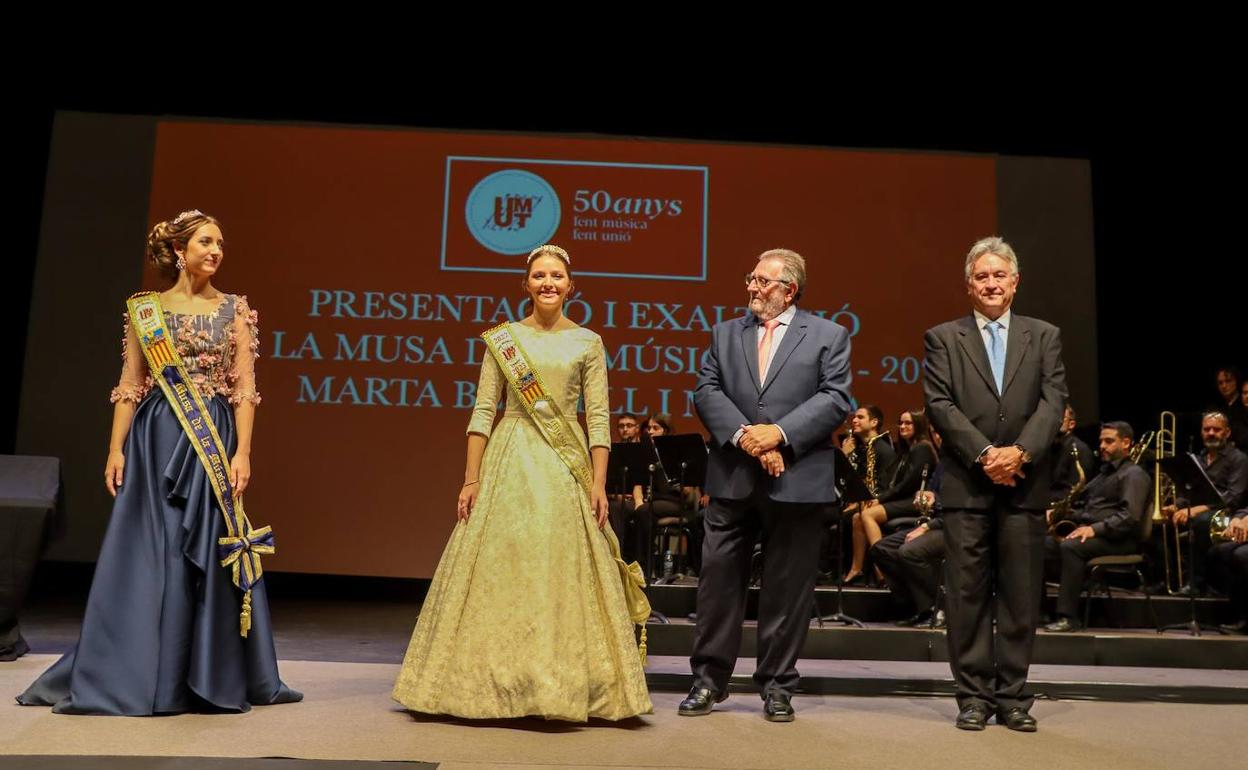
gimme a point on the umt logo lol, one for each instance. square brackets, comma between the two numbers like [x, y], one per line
[512, 212]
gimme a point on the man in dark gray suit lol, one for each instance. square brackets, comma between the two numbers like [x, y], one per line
[774, 386]
[995, 388]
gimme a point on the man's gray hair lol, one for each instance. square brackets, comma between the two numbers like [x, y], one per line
[793, 270]
[995, 245]
[1216, 416]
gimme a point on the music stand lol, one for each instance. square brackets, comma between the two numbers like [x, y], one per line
[850, 489]
[685, 452]
[626, 467]
[683, 456]
[635, 466]
[1188, 475]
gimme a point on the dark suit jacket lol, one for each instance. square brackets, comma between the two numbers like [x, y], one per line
[964, 406]
[806, 394]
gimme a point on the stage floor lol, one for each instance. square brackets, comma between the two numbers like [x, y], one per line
[343, 653]
[348, 714]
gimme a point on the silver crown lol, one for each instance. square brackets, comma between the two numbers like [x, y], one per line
[548, 248]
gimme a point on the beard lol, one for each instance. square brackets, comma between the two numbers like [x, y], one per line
[766, 308]
[1215, 444]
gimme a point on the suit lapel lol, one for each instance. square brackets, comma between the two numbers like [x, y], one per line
[792, 336]
[749, 348]
[973, 344]
[1018, 340]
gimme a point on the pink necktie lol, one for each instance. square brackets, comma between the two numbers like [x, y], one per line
[764, 348]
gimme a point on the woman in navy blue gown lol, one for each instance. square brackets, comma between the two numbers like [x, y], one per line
[161, 633]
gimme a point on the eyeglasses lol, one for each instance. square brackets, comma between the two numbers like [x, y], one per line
[763, 283]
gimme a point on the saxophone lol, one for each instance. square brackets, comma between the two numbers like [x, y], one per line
[921, 501]
[1060, 523]
[1138, 450]
[870, 479]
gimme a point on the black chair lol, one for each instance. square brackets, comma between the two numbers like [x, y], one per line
[1101, 567]
[672, 528]
[666, 530]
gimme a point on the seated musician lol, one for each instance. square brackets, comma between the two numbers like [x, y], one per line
[911, 558]
[916, 455]
[1228, 566]
[1227, 468]
[1104, 520]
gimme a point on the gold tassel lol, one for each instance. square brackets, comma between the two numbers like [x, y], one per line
[244, 620]
[641, 646]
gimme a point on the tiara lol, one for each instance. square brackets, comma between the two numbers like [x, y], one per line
[549, 248]
[185, 215]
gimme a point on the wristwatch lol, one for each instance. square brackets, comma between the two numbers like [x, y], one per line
[1026, 454]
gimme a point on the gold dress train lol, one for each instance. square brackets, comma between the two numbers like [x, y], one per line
[526, 614]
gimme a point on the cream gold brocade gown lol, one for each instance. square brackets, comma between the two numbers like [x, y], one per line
[526, 613]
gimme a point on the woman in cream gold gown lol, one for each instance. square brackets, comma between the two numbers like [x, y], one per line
[526, 614]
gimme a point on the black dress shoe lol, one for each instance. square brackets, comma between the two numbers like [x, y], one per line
[940, 621]
[778, 707]
[1017, 718]
[700, 701]
[1188, 590]
[1063, 625]
[918, 619]
[973, 717]
[14, 651]
[1236, 628]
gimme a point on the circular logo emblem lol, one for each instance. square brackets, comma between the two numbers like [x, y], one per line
[512, 211]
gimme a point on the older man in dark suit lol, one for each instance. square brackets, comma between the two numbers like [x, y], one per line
[773, 387]
[995, 388]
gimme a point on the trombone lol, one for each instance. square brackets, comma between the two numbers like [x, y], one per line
[1165, 494]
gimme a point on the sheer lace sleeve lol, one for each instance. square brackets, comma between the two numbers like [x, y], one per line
[135, 381]
[246, 333]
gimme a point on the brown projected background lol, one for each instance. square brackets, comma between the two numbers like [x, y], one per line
[375, 257]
